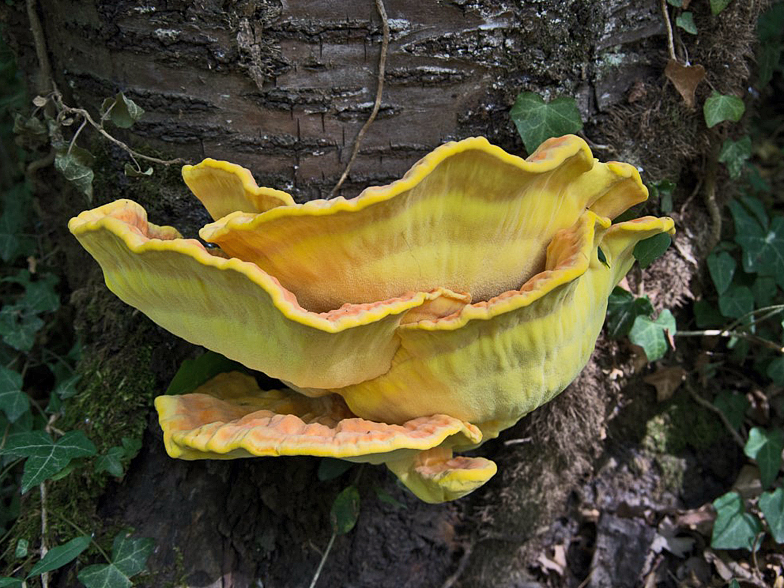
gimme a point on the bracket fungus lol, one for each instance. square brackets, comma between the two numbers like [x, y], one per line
[415, 320]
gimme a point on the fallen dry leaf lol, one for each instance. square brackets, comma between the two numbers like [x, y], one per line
[639, 359]
[698, 519]
[721, 568]
[685, 78]
[748, 483]
[667, 538]
[666, 381]
[557, 563]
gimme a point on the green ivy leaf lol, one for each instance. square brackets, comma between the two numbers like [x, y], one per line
[721, 107]
[764, 291]
[622, 309]
[663, 190]
[40, 296]
[45, 458]
[129, 557]
[537, 120]
[131, 447]
[114, 460]
[732, 406]
[13, 221]
[345, 511]
[66, 388]
[195, 372]
[111, 462]
[721, 267]
[757, 208]
[718, 5]
[32, 130]
[331, 468]
[649, 250]
[706, 315]
[19, 327]
[13, 401]
[735, 154]
[7, 582]
[387, 498]
[602, 257]
[775, 371]
[132, 172]
[765, 446]
[675, 3]
[10, 221]
[650, 334]
[125, 111]
[76, 167]
[21, 548]
[733, 528]
[61, 555]
[772, 506]
[763, 247]
[685, 21]
[736, 301]
[767, 62]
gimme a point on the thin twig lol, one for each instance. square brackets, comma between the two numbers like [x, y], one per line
[44, 83]
[771, 310]
[584, 583]
[668, 24]
[382, 61]
[704, 403]
[58, 98]
[694, 192]
[729, 331]
[323, 561]
[518, 441]
[76, 134]
[41, 163]
[710, 201]
[44, 549]
[82, 532]
[593, 144]
[754, 553]
[460, 567]
[732, 334]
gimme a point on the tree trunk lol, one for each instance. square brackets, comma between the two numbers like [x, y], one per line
[283, 88]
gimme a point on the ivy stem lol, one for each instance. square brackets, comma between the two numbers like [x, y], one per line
[709, 195]
[729, 331]
[382, 60]
[668, 24]
[774, 308]
[82, 532]
[45, 74]
[323, 560]
[62, 107]
[44, 549]
[710, 406]
[76, 134]
[732, 334]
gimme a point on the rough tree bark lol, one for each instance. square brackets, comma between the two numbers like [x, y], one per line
[282, 88]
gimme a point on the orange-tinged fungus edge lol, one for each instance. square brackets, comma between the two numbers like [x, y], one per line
[435, 476]
[481, 200]
[127, 221]
[548, 157]
[230, 417]
[224, 187]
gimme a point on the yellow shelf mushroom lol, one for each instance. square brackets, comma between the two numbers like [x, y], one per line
[414, 320]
